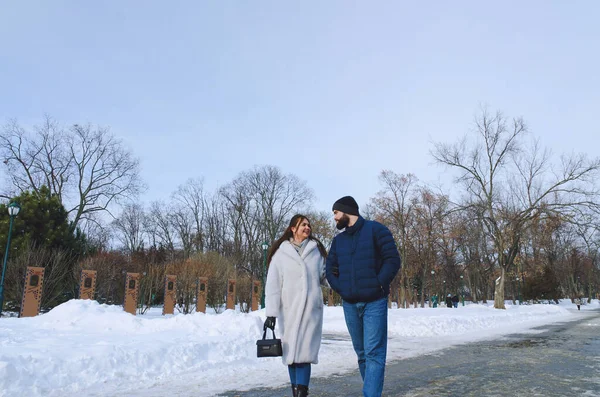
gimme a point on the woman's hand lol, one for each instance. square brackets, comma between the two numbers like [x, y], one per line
[270, 323]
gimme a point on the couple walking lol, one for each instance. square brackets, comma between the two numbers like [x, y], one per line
[360, 266]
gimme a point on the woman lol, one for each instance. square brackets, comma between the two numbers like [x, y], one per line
[293, 295]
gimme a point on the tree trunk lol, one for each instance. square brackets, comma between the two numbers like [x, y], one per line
[474, 292]
[499, 291]
[415, 298]
[401, 298]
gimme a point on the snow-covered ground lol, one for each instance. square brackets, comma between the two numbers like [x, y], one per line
[99, 350]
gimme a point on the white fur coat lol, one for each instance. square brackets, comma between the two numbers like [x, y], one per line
[293, 295]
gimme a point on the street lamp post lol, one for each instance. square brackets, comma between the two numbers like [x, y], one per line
[13, 211]
[444, 282]
[432, 287]
[518, 290]
[265, 246]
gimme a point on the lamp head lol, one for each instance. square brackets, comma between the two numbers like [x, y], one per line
[14, 208]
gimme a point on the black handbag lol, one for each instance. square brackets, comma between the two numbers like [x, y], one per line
[268, 347]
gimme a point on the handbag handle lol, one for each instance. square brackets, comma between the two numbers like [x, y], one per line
[265, 333]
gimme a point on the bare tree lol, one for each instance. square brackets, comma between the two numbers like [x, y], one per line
[323, 226]
[432, 239]
[87, 168]
[476, 254]
[276, 197]
[36, 159]
[260, 203]
[160, 228]
[97, 233]
[191, 199]
[130, 227]
[512, 185]
[589, 233]
[246, 228]
[183, 225]
[216, 224]
[393, 206]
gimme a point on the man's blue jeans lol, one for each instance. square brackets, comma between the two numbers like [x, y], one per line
[367, 325]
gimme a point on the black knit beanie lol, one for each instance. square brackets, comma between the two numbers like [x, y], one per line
[347, 205]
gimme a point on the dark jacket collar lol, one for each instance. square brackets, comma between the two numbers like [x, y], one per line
[357, 226]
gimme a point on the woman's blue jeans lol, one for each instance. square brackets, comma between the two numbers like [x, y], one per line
[299, 373]
[367, 325]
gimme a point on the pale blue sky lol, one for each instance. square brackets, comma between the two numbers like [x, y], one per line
[332, 91]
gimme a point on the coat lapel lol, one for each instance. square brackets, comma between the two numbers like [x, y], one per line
[290, 251]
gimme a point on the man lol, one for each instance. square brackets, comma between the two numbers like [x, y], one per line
[361, 264]
[455, 301]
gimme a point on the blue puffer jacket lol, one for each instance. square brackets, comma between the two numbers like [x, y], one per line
[367, 260]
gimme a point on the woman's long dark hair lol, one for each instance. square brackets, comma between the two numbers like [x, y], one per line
[288, 234]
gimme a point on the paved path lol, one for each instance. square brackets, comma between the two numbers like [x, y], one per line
[563, 360]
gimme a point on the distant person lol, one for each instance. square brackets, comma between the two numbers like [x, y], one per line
[578, 303]
[449, 301]
[455, 301]
[434, 299]
[293, 294]
[362, 262]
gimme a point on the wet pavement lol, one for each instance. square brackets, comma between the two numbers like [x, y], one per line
[562, 360]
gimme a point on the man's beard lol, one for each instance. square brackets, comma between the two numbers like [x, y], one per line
[343, 222]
